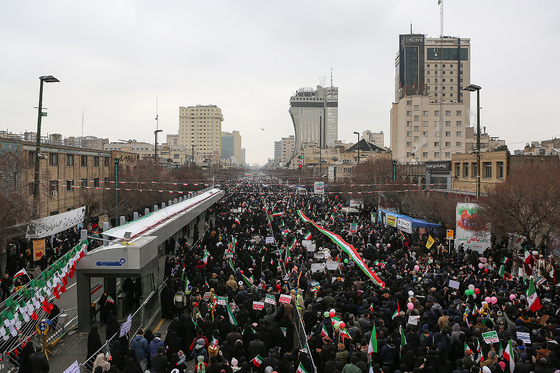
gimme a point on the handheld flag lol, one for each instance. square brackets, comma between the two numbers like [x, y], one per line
[532, 297]
[372, 342]
[257, 360]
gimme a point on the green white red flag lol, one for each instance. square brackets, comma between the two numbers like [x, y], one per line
[347, 248]
[532, 297]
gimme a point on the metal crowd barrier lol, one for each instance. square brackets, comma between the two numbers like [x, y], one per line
[141, 319]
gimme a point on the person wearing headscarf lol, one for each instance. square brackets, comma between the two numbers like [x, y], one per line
[117, 355]
[132, 355]
[93, 342]
[24, 355]
[101, 361]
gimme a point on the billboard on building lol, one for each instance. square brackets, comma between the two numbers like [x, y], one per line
[471, 233]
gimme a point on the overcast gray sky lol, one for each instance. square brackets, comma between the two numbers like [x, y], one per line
[248, 57]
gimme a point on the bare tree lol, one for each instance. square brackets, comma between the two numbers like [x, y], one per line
[527, 203]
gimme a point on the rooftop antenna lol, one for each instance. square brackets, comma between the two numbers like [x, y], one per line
[410, 28]
[440, 3]
[331, 78]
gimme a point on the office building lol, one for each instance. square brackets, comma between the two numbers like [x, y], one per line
[200, 128]
[231, 146]
[314, 115]
[430, 118]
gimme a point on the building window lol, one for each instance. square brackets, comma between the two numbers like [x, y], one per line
[106, 180]
[436, 143]
[459, 113]
[96, 182]
[69, 159]
[458, 143]
[447, 133]
[83, 183]
[447, 154]
[96, 161]
[407, 154]
[416, 138]
[416, 128]
[409, 112]
[107, 161]
[408, 133]
[408, 123]
[417, 118]
[436, 154]
[459, 124]
[409, 102]
[425, 123]
[436, 123]
[84, 160]
[425, 113]
[458, 169]
[70, 185]
[474, 170]
[425, 133]
[487, 170]
[466, 170]
[436, 113]
[447, 113]
[409, 144]
[416, 107]
[53, 188]
[458, 133]
[425, 154]
[448, 144]
[447, 123]
[500, 166]
[53, 159]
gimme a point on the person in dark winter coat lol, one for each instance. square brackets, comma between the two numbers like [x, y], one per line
[24, 358]
[38, 361]
[113, 325]
[117, 355]
[93, 343]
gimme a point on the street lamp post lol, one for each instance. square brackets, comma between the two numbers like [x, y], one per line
[36, 196]
[358, 145]
[477, 88]
[155, 146]
[192, 154]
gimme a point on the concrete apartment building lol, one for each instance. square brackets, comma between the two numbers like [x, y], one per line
[287, 148]
[200, 130]
[314, 114]
[430, 118]
[376, 138]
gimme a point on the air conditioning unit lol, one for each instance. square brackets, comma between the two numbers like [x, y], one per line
[54, 193]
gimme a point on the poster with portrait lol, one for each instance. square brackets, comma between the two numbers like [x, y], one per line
[472, 233]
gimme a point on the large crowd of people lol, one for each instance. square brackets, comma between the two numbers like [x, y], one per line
[248, 296]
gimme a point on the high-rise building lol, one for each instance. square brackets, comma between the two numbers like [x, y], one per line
[277, 150]
[200, 128]
[314, 114]
[231, 146]
[287, 145]
[430, 115]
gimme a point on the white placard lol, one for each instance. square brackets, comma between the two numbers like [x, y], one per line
[258, 305]
[269, 240]
[454, 284]
[270, 299]
[74, 368]
[285, 298]
[319, 255]
[413, 320]
[306, 243]
[525, 337]
[332, 265]
[125, 328]
[317, 267]
[222, 301]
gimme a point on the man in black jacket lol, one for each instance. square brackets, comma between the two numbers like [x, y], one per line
[159, 362]
[38, 361]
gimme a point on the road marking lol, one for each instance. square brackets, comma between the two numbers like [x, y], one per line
[159, 325]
